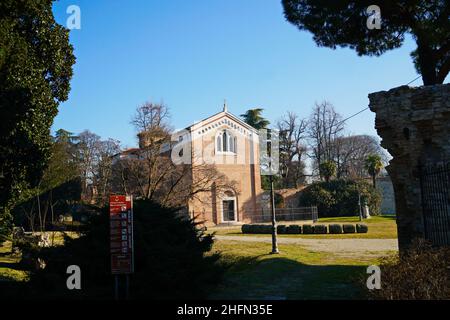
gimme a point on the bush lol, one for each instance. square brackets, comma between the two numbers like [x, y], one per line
[171, 260]
[256, 228]
[281, 229]
[246, 228]
[279, 200]
[294, 229]
[265, 229]
[335, 228]
[320, 229]
[361, 228]
[421, 273]
[349, 228]
[339, 198]
[307, 229]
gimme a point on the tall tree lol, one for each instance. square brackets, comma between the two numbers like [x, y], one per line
[254, 118]
[324, 128]
[327, 170]
[351, 152]
[36, 61]
[344, 23]
[292, 144]
[374, 166]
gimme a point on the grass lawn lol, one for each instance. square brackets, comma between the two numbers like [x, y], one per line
[380, 227]
[9, 267]
[9, 270]
[295, 273]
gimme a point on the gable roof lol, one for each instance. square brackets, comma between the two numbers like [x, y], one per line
[218, 116]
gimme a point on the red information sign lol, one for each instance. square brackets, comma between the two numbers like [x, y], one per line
[121, 234]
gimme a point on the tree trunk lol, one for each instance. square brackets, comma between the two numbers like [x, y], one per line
[374, 180]
[427, 62]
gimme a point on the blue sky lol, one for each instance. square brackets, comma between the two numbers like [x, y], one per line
[193, 54]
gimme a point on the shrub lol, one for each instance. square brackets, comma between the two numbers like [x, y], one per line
[349, 228]
[246, 228]
[335, 228]
[171, 258]
[320, 229]
[281, 229]
[421, 273]
[361, 228]
[294, 229]
[340, 197]
[266, 229]
[279, 200]
[307, 229]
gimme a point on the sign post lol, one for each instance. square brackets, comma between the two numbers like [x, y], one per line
[121, 239]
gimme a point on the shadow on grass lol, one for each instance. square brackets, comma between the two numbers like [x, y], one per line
[282, 278]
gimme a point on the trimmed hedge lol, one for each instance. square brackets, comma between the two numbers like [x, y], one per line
[305, 229]
[349, 228]
[361, 228]
[294, 229]
[281, 229]
[335, 228]
[320, 229]
[308, 229]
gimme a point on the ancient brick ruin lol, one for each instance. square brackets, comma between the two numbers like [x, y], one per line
[414, 124]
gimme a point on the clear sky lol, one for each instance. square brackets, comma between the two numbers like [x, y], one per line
[193, 54]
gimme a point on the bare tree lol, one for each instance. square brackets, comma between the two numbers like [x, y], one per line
[87, 153]
[103, 172]
[325, 126]
[350, 153]
[292, 148]
[149, 173]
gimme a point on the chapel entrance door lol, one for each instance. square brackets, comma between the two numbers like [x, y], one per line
[228, 210]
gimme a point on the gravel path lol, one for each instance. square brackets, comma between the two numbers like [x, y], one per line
[344, 246]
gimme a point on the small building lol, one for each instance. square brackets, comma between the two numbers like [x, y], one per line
[232, 146]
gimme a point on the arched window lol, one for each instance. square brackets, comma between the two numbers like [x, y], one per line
[226, 142]
[219, 143]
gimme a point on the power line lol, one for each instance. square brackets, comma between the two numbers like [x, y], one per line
[366, 108]
[413, 80]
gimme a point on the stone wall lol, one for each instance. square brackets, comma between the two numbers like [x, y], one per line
[414, 124]
[384, 185]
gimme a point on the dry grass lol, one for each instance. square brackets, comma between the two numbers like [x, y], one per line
[422, 273]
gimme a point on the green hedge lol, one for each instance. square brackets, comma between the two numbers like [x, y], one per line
[361, 228]
[281, 229]
[308, 229]
[349, 228]
[339, 198]
[294, 229]
[305, 229]
[335, 228]
[320, 229]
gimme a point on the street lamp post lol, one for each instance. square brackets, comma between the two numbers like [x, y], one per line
[274, 221]
[359, 206]
[272, 195]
